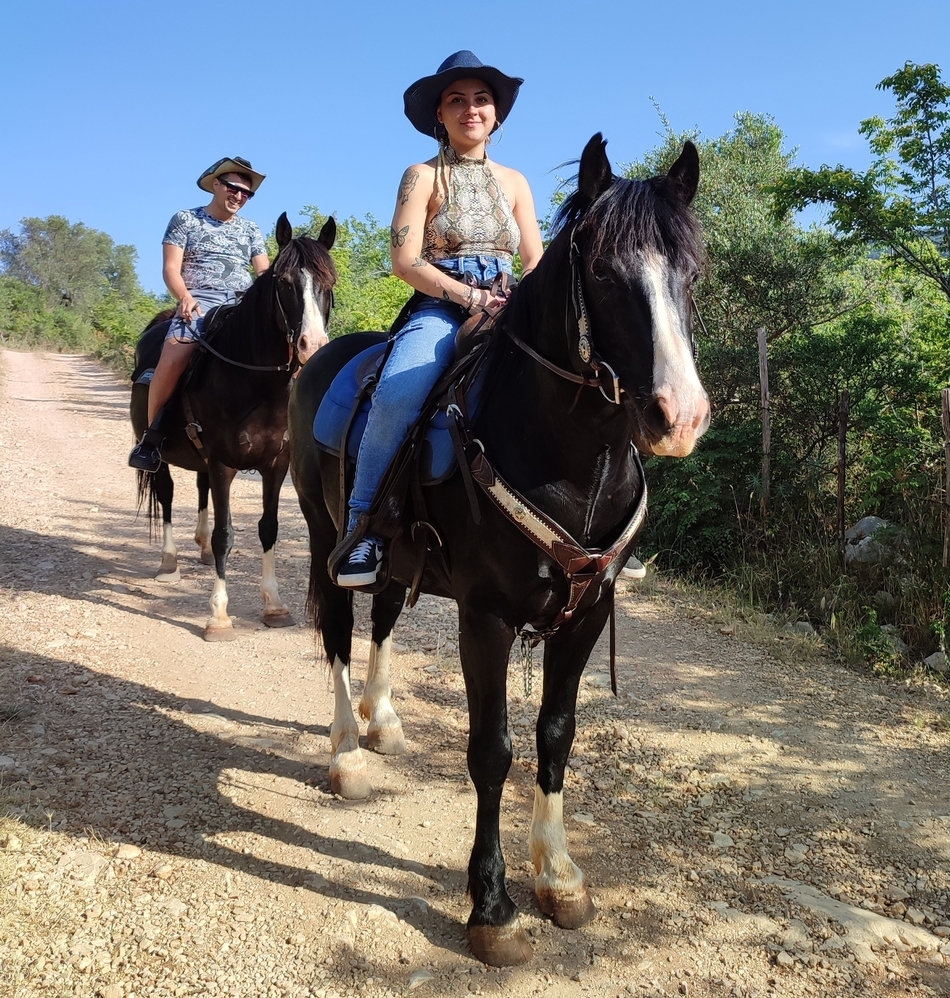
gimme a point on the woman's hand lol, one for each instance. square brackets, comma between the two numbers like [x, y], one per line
[482, 300]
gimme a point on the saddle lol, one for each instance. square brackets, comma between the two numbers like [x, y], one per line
[215, 320]
[433, 450]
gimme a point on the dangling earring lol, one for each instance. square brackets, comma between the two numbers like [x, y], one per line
[500, 131]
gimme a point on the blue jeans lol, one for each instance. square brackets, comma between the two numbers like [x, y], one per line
[422, 351]
[207, 299]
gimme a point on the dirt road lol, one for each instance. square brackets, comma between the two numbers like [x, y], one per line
[753, 820]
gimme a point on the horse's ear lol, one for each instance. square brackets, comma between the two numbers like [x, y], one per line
[683, 177]
[327, 235]
[285, 231]
[594, 175]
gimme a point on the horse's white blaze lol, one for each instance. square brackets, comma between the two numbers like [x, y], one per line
[676, 383]
[376, 704]
[219, 602]
[313, 331]
[272, 601]
[547, 842]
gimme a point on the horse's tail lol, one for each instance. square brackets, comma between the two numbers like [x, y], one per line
[148, 497]
[316, 604]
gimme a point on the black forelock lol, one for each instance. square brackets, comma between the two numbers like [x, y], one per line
[634, 215]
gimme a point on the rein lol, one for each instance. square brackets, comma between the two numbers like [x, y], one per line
[601, 374]
[293, 361]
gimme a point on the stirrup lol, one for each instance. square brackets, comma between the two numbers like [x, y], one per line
[146, 456]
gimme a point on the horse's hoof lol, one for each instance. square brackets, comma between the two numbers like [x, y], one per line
[168, 570]
[207, 556]
[352, 785]
[386, 739]
[500, 946]
[279, 618]
[569, 911]
[220, 632]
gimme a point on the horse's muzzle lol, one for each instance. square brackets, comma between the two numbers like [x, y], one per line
[670, 426]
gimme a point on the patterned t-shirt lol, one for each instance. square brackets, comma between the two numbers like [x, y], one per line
[217, 254]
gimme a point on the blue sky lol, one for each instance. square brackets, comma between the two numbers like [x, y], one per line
[112, 109]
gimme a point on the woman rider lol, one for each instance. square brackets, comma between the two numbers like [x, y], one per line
[457, 215]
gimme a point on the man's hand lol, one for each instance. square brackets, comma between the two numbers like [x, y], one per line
[188, 308]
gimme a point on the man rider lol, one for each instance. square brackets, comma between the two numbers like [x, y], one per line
[206, 252]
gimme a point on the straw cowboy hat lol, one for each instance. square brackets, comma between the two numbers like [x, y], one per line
[423, 96]
[230, 164]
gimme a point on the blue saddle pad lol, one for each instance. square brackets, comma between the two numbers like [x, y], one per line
[437, 459]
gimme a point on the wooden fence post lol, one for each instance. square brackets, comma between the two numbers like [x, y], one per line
[844, 409]
[766, 416]
[945, 400]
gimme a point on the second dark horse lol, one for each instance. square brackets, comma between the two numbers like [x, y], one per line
[595, 357]
[234, 401]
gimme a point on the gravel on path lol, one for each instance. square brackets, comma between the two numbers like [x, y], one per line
[753, 819]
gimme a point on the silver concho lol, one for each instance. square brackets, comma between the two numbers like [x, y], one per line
[583, 347]
[583, 340]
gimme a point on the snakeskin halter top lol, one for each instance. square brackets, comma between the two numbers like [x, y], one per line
[474, 218]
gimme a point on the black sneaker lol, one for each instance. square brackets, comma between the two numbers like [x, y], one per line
[145, 457]
[363, 565]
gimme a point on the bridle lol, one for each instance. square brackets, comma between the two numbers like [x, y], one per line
[601, 375]
[292, 333]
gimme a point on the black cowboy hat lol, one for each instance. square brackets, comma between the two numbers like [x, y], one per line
[423, 96]
[230, 164]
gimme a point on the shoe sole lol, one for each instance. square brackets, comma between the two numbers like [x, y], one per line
[634, 573]
[351, 581]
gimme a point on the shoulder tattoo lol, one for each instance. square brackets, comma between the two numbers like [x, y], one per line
[407, 185]
[398, 238]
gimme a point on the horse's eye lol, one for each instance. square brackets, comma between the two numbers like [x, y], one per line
[601, 273]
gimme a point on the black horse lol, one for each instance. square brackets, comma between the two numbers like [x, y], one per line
[230, 412]
[595, 356]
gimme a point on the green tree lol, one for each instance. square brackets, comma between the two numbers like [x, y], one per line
[901, 205]
[763, 271]
[73, 264]
[368, 296]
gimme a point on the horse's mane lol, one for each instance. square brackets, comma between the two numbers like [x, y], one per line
[634, 215]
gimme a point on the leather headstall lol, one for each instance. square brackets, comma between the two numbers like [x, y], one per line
[601, 375]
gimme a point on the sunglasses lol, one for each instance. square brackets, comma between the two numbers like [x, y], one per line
[234, 189]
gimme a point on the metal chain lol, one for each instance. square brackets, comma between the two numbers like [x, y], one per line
[527, 664]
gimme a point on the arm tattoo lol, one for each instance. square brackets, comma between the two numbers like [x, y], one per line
[419, 262]
[407, 185]
[398, 238]
[445, 295]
